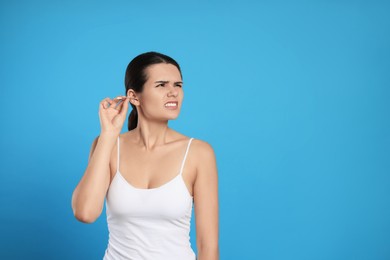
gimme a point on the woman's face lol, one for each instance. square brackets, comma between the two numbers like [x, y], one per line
[162, 94]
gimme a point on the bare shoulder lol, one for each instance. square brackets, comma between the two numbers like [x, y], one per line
[206, 166]
[202, 146]
[202, 150]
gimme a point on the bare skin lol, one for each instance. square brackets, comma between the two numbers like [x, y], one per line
[151, 155]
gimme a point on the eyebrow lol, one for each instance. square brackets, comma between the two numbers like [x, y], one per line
[166, 81]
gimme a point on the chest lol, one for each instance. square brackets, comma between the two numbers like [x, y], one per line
[150, 170]
[169, 201]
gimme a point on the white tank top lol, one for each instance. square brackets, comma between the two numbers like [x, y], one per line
[150, 224]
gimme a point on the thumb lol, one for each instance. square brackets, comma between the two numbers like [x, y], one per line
[125, 107]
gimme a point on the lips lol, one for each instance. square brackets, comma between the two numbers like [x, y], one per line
[171, 104]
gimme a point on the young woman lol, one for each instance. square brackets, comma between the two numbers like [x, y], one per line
[152, 175]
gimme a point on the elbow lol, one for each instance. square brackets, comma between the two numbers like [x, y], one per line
[84, 217]
[82, 213]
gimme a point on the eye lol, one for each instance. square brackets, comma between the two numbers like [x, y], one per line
[161, 85]
[179, 85]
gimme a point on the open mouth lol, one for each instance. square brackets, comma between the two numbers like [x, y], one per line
[171, 105]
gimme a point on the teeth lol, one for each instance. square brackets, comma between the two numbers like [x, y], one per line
[170, 104]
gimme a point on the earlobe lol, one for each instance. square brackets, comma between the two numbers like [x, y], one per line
[133, 100]
[133, 97]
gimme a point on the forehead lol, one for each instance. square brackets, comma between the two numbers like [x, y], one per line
[163, 71]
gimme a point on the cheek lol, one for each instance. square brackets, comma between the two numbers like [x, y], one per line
[180, 92]
[150, 97]
[151, 101]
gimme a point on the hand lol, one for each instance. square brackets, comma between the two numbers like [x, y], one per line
[112, 114]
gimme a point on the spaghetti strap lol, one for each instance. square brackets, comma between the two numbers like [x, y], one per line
[117, 157]
[185, 156]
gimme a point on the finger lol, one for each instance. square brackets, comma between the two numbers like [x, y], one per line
[118, 102]
[123, 101]
[125, 107]
[105, 103]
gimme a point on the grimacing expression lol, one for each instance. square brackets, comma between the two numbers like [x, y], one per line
[162, 93]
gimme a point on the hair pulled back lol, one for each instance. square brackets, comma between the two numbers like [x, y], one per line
[136, 77]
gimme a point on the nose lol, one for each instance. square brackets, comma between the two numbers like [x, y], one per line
[172, 92]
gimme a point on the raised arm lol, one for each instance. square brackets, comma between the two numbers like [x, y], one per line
[206, 203]
[88, 196]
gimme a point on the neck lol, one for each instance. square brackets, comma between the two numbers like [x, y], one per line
[150, 134]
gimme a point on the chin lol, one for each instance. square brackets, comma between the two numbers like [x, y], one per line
[172, 117]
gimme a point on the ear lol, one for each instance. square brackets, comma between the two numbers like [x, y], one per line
[133, 97]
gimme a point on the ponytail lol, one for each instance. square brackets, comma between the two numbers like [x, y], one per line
[133, 119]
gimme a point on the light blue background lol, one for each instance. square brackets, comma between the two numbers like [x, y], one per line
[294, 98]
